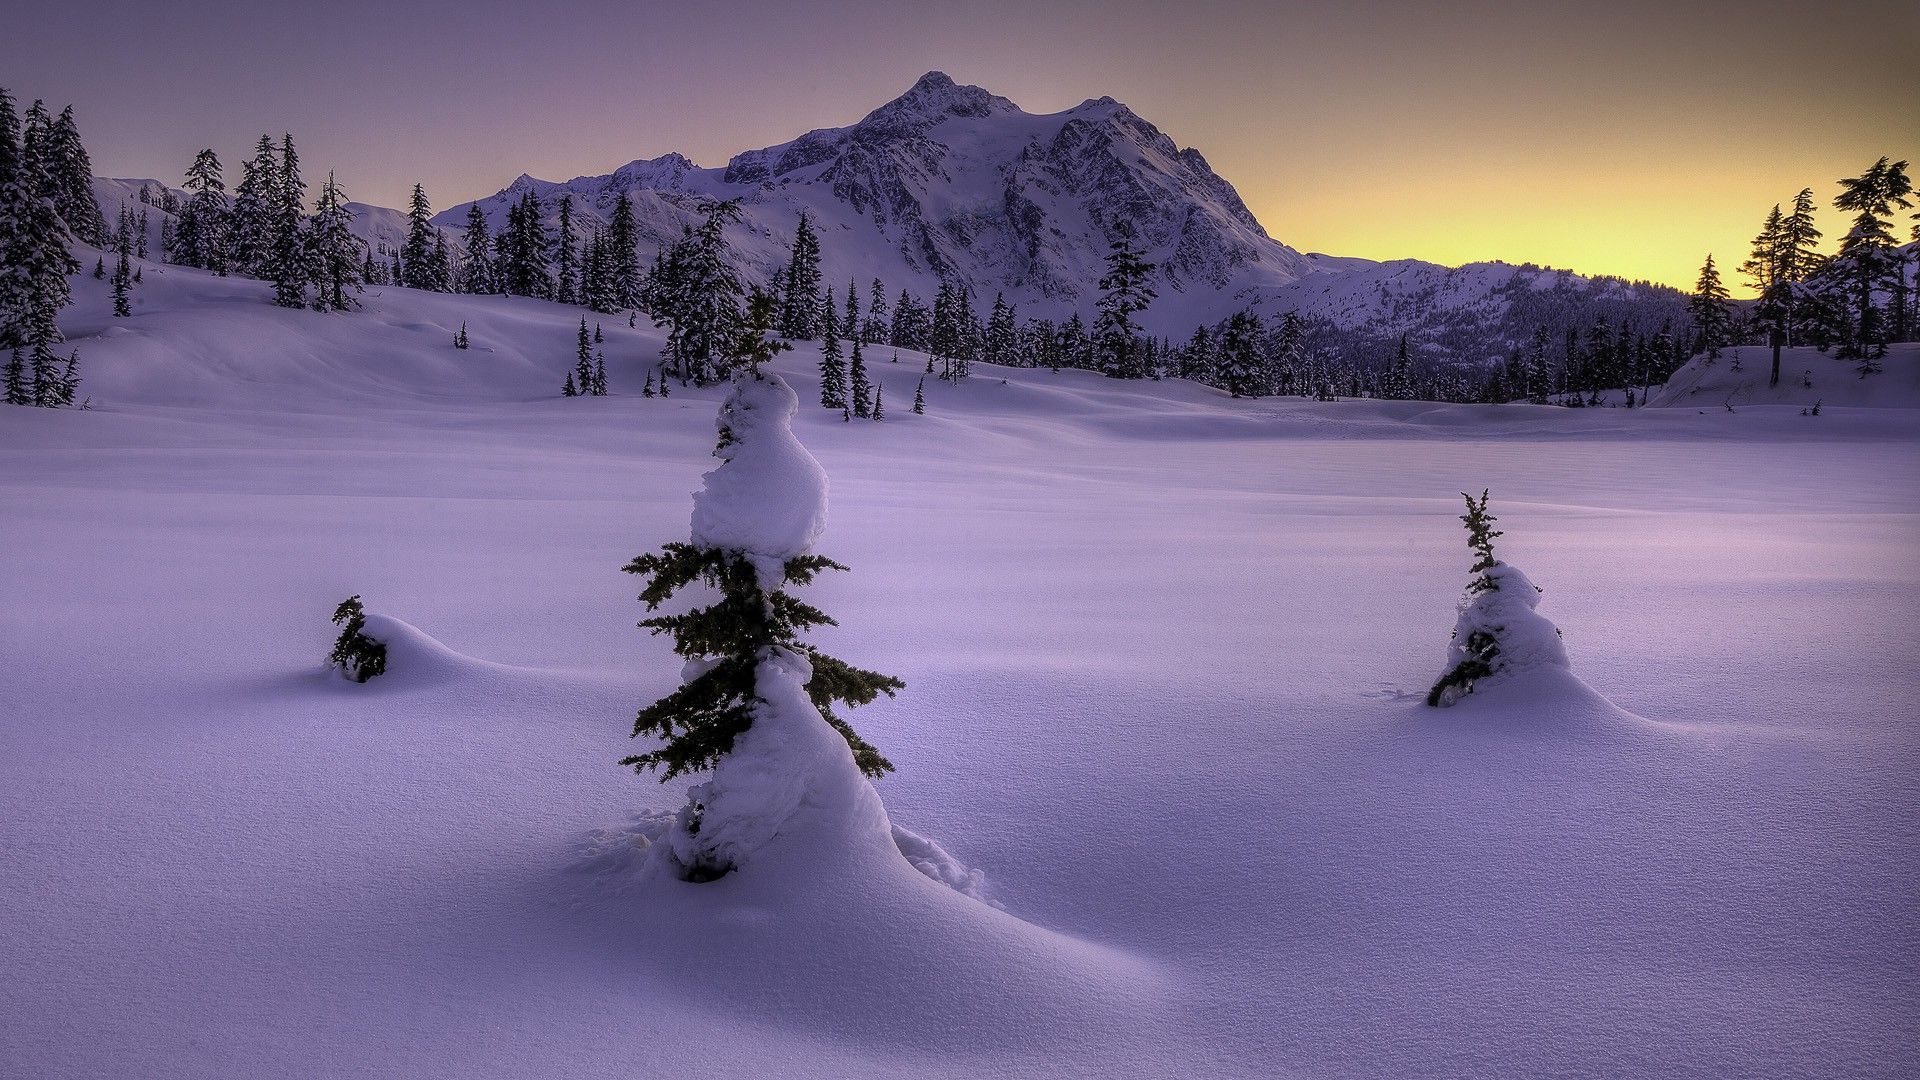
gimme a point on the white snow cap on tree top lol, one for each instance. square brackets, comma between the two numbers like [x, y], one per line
[768, 497]
[1527, 638]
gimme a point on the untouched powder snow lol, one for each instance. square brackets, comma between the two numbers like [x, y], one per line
[1165, 656]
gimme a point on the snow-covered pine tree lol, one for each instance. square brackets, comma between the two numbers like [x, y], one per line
[460, 339]
[334, 251]
[583, 359]
[476, 271]
[18, 391]
[200, 233]
[833, 371]
[1497, 632]
[419, 268]
[647, 390]
[879, 402]
[599, 375]
[623, 256]
[757, 706]
[566, 260]
[1711, 310]
[33, 241]
[800, 284]
[859, 387]
[920, 396]
[1868, 263]
[1002, 345]
[288, 261]
[876, 328]
[357, 656]
[850, 325]
[696, 294]
[250, 221]
[569, 390]
[70, 181]
[1123, 291]
[1240, 366]
[122, 285]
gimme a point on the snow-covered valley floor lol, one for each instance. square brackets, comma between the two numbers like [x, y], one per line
[1164, 657]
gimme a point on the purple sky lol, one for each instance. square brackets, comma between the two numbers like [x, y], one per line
[1628, 138]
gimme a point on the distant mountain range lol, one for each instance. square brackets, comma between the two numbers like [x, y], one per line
[952, 182]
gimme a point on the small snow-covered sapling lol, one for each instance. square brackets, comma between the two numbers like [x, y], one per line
[1481, 646]
[754, 524]
[358, 656]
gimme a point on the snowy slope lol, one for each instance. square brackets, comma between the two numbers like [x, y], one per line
[1163, 653]
[1739, 375]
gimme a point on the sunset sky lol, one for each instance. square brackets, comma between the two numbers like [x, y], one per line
[1624, 138]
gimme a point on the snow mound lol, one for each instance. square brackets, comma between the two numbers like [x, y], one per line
[789, 782]
[1508, 612]
[768, 497]
[621, 853]
[415, 657]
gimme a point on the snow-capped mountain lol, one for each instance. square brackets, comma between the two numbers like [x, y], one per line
[952, 181]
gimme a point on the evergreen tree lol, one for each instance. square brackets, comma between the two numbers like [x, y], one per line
[1763, 268]
[358, 656]
[460, 339]
[599, 375]
[623, 255]
[334, 250]
[527, 251]
[860, 387]
[422, 256]
[566, 266]
[697, 296]
[569, 390]
[1712, 314]
[1124, 291]
[879, 393]
[200, 234]
[920, 397]
[255, 206]
[477, 270]
[33, 238]
[1002, 344]
[70, 181]
[122, 283]
[833, 371]
[1240, 365]
[800, 287]
[583, 359]
[1868, 263]
[748, 663]
[647, 390]
[1497, 630]
[288, 262]
[1289, 356]
[912, 323]
[17, 390]
[877, 327]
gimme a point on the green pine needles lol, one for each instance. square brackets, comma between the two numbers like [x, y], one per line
[698, 722]
[1480, 534]
[358, 656]
[1481, 646]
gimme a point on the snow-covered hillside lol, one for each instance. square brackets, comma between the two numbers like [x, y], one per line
[1164, 654]
[1738, 377]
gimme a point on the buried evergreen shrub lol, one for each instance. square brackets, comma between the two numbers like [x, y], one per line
[1497, 632]
[358, 656]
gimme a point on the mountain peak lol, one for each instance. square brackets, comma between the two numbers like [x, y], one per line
[931, 99]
